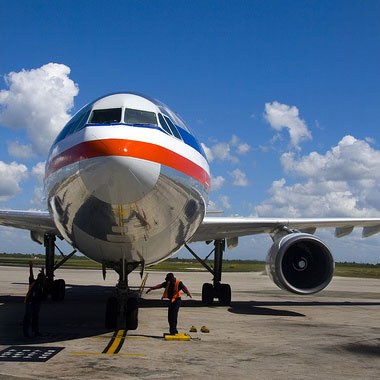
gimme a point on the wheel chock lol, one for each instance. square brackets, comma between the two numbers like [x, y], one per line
[182, 337]
[204, 329]
[193, 329]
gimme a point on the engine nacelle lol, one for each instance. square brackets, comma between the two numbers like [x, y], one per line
[300, 263]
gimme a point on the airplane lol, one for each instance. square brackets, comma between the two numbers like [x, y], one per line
[127, 184]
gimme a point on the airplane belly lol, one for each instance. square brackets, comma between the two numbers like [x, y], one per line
[145, 215]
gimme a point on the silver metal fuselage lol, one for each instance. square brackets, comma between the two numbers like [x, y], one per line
[114, 207]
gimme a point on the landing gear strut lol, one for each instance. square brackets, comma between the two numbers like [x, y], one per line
[56, 288]
[215, 290]
[122, 310]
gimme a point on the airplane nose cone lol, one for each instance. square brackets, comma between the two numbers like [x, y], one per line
[119, 179]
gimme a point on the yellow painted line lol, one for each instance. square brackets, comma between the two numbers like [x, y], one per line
[143, 284]
[127, 337]
[101, 353]
[116, 342]
[136, 337]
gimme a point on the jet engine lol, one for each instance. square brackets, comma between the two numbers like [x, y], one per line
[300, 263]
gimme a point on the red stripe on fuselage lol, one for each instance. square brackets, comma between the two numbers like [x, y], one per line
[128, 148]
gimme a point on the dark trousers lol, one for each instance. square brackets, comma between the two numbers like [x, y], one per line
[173, 315]
[32, 311]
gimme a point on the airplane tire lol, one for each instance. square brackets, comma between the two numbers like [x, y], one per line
[58, 290]
[132, 314]
[207, 294]
[111, 313]
[225, 294]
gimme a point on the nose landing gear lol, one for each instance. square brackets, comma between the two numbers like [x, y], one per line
[122, 310]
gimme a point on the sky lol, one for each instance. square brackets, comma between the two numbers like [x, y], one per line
[284, 96]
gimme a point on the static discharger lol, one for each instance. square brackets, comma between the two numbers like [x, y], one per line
[182, 337]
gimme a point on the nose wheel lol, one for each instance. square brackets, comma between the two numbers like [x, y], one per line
[120, 315]
[122, 311]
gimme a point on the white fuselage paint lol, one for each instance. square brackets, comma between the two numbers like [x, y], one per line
[127, 191]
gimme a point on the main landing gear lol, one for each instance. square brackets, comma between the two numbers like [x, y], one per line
[122, 310]
[215, 290]
[55, 288]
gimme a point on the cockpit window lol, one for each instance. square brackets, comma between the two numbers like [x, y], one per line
[164, 125]
[172, 127]
[107, 116]
[132, 116]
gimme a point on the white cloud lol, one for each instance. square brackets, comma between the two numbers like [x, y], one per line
[243, 148]
[208, 152]
[281, 116]
[18, 150]
[212, 206]
[222, 151]
[345, 181]
[351, 159]
[240, 147]
[38, 171]
[224, 199]
[234, 140]
[239, 177]
[311, 199]
[226, 151]
[11, 175]
[38, 101]
[217, 182]
[39, 200]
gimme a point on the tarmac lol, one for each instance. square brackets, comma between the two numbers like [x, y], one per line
[266, 333]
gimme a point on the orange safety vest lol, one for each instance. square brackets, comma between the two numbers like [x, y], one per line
[176, 292]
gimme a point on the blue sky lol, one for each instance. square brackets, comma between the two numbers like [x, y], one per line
[284, 94]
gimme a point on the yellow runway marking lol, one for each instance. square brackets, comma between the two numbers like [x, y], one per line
[127, 337]
[116, 343]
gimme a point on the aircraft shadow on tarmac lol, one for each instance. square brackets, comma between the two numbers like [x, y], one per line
[82, 313]
[260, 308]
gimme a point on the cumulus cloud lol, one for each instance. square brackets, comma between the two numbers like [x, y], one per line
[208, 152]
[222, 151]
[226, 151]
[224, 199]
[212, 206]
[17, 150]
[38, 171]
[39, 101]
[217, 182]
[281, 116]
[239, 178]
[345, 181]
[11, 175]
[351, 159]
[39, 200]
[241, 147]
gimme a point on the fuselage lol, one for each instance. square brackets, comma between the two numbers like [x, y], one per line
[126, 179]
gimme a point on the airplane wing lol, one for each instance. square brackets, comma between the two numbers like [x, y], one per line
[213, 228]
[37, 221]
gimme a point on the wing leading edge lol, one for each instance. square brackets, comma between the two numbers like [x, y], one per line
[213, 228]
[37, 221]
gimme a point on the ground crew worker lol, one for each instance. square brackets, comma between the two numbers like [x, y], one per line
[33, 301]
[173, 288]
